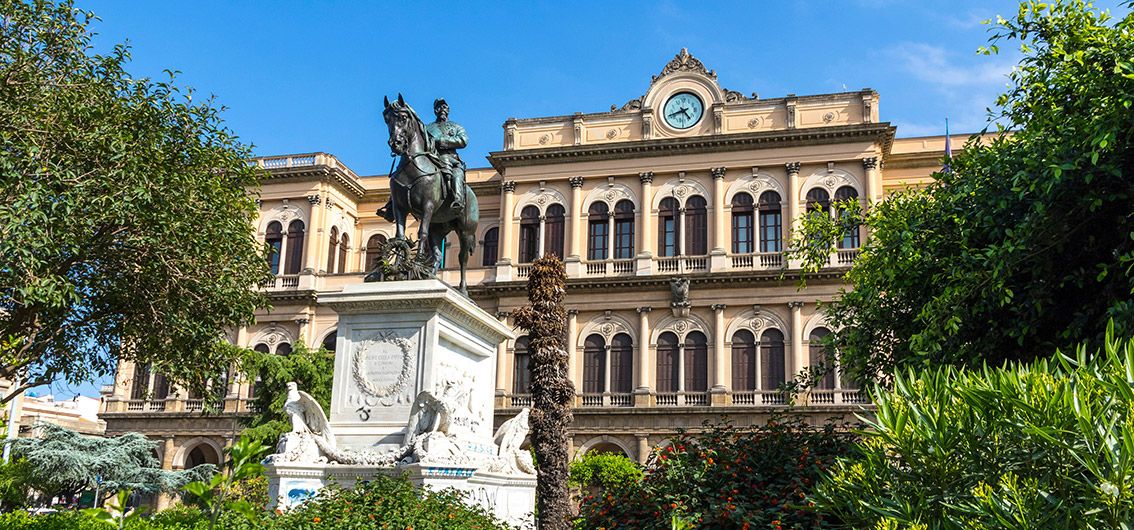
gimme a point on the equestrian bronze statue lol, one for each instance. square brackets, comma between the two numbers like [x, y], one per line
[429, 183]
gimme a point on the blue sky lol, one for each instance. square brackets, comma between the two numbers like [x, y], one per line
[310, 76]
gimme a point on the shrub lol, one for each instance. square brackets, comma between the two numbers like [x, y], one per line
[1050, 445]
[727, 477]
[605, 470]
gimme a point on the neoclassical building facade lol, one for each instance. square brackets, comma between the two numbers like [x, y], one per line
[672, 213]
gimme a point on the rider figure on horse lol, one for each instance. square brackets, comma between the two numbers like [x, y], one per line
[448, 136]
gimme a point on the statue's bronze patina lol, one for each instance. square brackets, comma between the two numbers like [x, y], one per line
[428, 182]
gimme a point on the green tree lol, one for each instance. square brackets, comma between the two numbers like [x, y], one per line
[124, 212]
[311, 369]
[61, 461]
[545, 319]
[1026, 242]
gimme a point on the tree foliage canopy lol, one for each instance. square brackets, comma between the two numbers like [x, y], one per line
[312, 370]
[124, 211]
[64, 461]
[1026, 242]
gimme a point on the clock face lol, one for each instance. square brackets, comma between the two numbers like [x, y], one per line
[683, 110]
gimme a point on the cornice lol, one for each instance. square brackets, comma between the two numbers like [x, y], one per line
[321, 173]
[661, 281]
[881, 132]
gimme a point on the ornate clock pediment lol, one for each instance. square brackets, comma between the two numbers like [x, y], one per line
[684, 62]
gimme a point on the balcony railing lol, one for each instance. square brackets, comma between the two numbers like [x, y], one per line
[194, 405]
[519, 400]
[608, 399]
[680, 399]
[838, 397]
[682, 264]
[759, 397]
[615, 267]
[846, 257]
[283, 281]
[758, 261]
[523, 271]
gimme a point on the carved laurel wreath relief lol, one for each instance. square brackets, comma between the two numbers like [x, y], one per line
[358, 365]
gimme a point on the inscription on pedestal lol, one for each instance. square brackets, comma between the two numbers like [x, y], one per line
[382, 366]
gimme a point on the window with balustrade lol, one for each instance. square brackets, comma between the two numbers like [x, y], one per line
[667, 227]
[344, 249]
[821, 354]
[772, 362]
[771, 222]
[594, 364]
[851, 238]
[743, 361]
[696, 362]
[273, 236]
[295, 235]
[742, 229]
[624, 230]
[667, 365]
[332, 249]
[621, 364]
[529, 234]
[490, 247]
[521, 367]
[374, 252]
[696, 226]
[598, 231]
[553, 225]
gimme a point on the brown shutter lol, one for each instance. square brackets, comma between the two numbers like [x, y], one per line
[594, 364]
[743, 360]
[667, 362]
[696, 362]
[621, 364]
[772, 359]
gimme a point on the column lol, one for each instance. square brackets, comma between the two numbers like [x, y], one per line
[606, 375]
[798, 361]
[501, 363]
[573, 350]
[718, 254]
[645, 218]
[642, 362]
[719, 388]
[643, 448]
[791, 202]
[164, 499]
[507, 244]
[574, 219]
[540, 241]
[872, 183]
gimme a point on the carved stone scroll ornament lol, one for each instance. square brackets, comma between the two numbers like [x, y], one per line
[684, 62]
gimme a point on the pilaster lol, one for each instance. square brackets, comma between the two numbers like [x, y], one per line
[642, 363]
[798, 360]
[646, 241]
[508, 243]
[719, 387]
[572, 262]
[718, 259]
[792, 203]
[573, 350]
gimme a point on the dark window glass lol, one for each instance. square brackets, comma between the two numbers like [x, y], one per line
[491, 241]
[772, 359]
[667, 227]
[283, 349]
[594, 364]
[696, 226]
[332, 250]
[220, 385]
[373, 247]
[850, 238]
[553, 230]
[667, 352]
[742, 224]
[521, 368]
[274, 238]
[743, 361]
[529, 234]
[330, 340]
[344, 247]
[771, 222]
[140, 385]
[624, 230]
[161, 386]
[820, 354]
[295, 231]
[598, 231]
[696, 362]
[818, 200]
[621, 364]
[262, 348]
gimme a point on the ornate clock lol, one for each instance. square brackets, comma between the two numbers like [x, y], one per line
[683, 110]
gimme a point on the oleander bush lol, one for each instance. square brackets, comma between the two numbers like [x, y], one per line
[727, 477]
[1046, 445]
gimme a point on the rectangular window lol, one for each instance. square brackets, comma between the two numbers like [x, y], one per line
[597, 235]
[667, 233]
[742, 233]
[771, 230]
[624, 239]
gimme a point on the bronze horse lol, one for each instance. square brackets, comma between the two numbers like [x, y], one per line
[417, 187]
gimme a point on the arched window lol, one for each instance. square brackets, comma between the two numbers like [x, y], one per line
[332, 250]
[491, 242]
[696, 226]
[743, 360]
[594, 364]
[772, 363]
[622, 364]
[330, 340]
[529, 234]
[521, 367]
[850, 238]
[553, 230]
[742, 224]
[262, 348]
[821, 354]
[771, 222]
[295, 231]
[161, 386]
[373, 251]
[140, 385]
[598, 231]
[818, 201]
[274, 238]
[200, 455]
[667, 352]
[667, 227]
[344, 247]
[624, 230]
[283, 349]
[696, 362]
